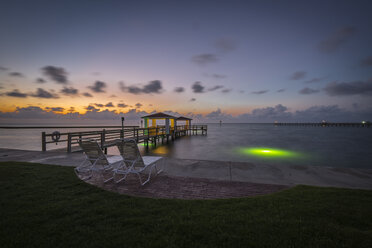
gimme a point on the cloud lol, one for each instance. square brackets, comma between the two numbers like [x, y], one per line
[314, 80]
[336, 40]
[192, 100]
[204, 59]
[197, 87]
[225, 45]
[217, 87]
[57, 74]
[15, 74]
[366, 62]
[260, 92]
[3, 68]
[109, 105]
[122, 105]
[298, 75]
[138, 105]
[154, 86]
[41, 93]
[31, 112]
[113, 96]
[179, 89]
[55, 109]
[218, 76]
[98, 87]
[70, 91]
[100, 105]
[349, 88]
[280, 90]
[308, 91]
[226, 90]
[87, 94]
[91, 108]
[40, 81]
[279, 113]
[16, 93]
[217, 115]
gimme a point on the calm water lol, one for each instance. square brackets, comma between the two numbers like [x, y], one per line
[335, 147]
[331, 146]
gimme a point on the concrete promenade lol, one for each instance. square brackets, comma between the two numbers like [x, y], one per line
[286, 175]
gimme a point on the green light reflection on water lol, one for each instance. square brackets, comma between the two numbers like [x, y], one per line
[266, 152]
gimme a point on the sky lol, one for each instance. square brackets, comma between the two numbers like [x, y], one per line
[236, 61]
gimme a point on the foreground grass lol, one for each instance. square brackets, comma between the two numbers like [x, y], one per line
[47, 206]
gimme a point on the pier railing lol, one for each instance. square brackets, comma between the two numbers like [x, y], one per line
[108, 137]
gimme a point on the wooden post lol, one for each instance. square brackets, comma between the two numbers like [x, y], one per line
[103, 134]
[43, 142]
[69, 141]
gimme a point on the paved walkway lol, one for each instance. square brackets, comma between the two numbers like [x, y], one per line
[287, 174]
[163, 186]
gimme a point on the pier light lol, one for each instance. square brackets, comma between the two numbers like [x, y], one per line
[268, 152]
[363, 122]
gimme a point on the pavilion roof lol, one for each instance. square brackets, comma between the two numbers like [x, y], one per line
[183, 118]
[159, 115]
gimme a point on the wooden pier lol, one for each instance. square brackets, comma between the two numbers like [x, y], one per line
[108, 138]
[326, 124]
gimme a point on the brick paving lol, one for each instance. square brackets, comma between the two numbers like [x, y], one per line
[171, 187]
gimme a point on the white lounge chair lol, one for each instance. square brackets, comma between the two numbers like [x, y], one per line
[134, 163]
[96, 160]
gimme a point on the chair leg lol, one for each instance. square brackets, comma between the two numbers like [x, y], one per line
[121, 179]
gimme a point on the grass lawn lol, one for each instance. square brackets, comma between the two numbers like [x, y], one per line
[48, 206]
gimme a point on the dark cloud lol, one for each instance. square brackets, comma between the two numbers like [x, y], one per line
[138, 105]
[241, 91]
[192, 100]
[87, 94]
[122, 105]
[366, 62]
[70, 91]
[98, 87]
[100, 105]
[280, 90]
[40, 81]
[225, 45]
[15, 74]
[260, 92]
[109, 105]
[204, 59]
[336, 40]
[217, 87]
[308, 91]
[55, 109]
[3, 68]
[179, 89]
[314, 80]
[41, 93]
[91, 108]
[16, 93]
[197, 87]
[154, 86]
[57, 74]
[298, 75]
[71, 110]
[349, 88]
[225, 90]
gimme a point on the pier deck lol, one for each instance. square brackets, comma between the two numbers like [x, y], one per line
[108, 138]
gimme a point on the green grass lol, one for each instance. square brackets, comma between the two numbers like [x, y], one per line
[48, 206]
